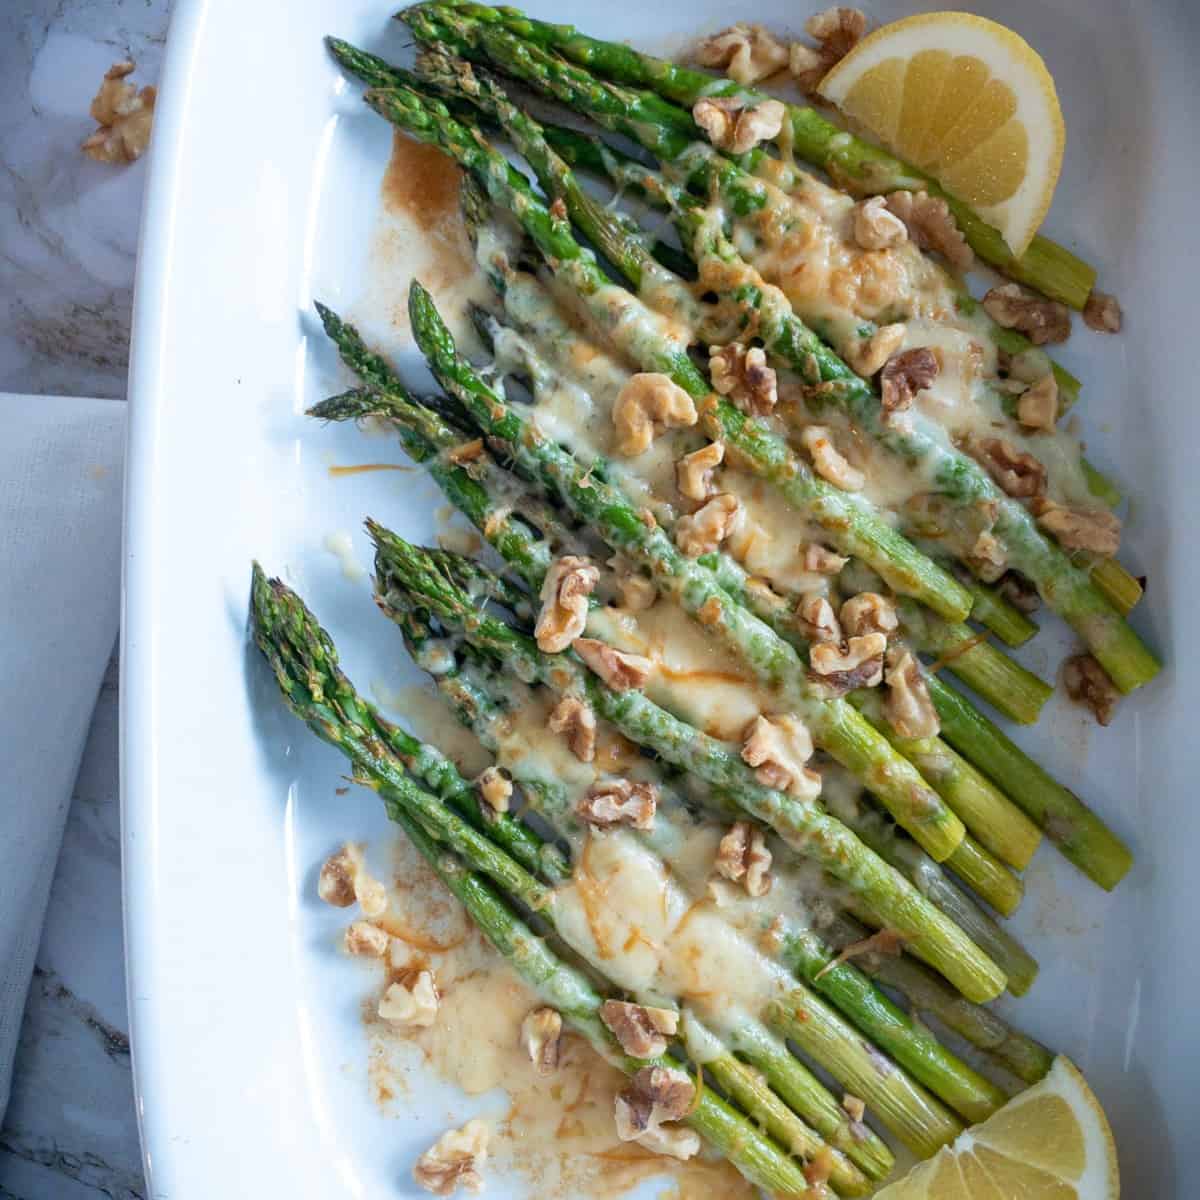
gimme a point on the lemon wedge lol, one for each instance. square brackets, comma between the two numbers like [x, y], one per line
[1051, 1142]
[969, 102]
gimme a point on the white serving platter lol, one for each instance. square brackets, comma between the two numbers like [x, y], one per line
[249, 1051]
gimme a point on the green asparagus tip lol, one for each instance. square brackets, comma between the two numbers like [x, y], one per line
[352, 405]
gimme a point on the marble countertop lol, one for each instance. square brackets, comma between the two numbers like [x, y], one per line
[68, 240]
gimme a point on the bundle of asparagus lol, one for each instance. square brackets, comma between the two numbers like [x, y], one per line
[915, 785]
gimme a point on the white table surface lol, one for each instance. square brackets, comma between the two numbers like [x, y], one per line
[68, 237]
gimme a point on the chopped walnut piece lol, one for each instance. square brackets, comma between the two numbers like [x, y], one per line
[1037, 406]
[653, 1095]
[344, 879]
[495, 789]
[742, 374]
[778, 748]
[817, 619]
[743, 857]
[648, 405]
[931, 226]
[677, 1141]
[694, 472]
[1102, 313]
[876, 227]
[828, 460]
[746, 53]
[1088, 683]
[1094, 529]
[622, 672]
[1040, 320]
[837, 31]
[541, 1031]
[908, 707]
[612, 802]
[904, 375]
[575, 718]
[1016, 472]
[987, 558]
[466, 452]
[642, 1032]
[413, 1005]
[365, 940]
[705, 529]
[124, 115]
[732, 125]
[869, 612]
[454, 1160]
[1019, 592]
[868, 355]
[821, 560]
[564, 596]
[635, 592]
[854, 1107]
[860, 664]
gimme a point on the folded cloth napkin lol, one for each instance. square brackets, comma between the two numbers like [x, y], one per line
[60, 576]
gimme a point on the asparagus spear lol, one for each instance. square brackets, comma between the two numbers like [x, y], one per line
[957, 476]
[1049, 268]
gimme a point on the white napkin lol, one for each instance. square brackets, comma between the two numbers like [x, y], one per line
[60, 574]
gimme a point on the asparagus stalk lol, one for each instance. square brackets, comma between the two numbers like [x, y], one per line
[848, 160]
[957, 476]
[996, 613]
[804, 827]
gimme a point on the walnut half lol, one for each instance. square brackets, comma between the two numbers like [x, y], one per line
[735, 126]
[742, 374]
[1042, 321]
[648, 405]
[836, 31]
[564, 599]
[1093, 529]
[642, 1032]
[859, 664]
[454, 1160]
[746, 53]
[705, 529]
[612, 802]
[694, 472]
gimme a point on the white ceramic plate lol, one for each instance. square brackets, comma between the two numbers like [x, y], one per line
[264, 191]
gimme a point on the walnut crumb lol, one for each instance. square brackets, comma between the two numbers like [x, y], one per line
[466, 452]
[932, 226]
[344, 879]
[705, 529]
[869, 612]
[1088, 683]
[988, 558]
[854, 1107]
[495, 789]
[778, 749]
[675, 1141]
[870, 354]
[612, 802]
[622, 672]
[694, 472]
[541, 1033]
[411, 1005]
[1042, 321]
[820, 560]
[642, 1032]
[746, 53]
[876, 227]
[742, 374]
[743, 857]
[575, 718]
[1037, 406]
[859, 664]
[564, 599]
[455, 1160]
[366, 940]
[829, 462]
[1102, 313]
[647, 405]
[125, 117]
[653, 1095]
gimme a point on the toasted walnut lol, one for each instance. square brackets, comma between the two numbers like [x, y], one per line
[1103, 313]
[412, 1005]
[1094, 529]
[1037, 406]
[344, 879]
[828, 460]
[677, 1141]
[1088, 683]
[733, 125]
[746, 53]
[743, 857]
[1016, 472]
[1019, 592]
[868, 355]
[642, 1032]
[1041, 320]
[622, 672]
[541, 1032]
[124, 115]
[613, 802]
[707, 527]
[743, 375]
[694, 472]
[908, 707]
[653, 1095]
[931, 226]
[818, 620]
[904, 375]
[876, 227]
[868, 612]
[454, 1160]
[987, 558]
[777, 748]
[821, 560]
[575, 718]
[565, 591]
[837, 31]
[366, 940]
[860, 664]
[495, 789]
[645, 407]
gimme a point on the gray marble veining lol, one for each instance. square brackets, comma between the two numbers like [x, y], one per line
[68, 240]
